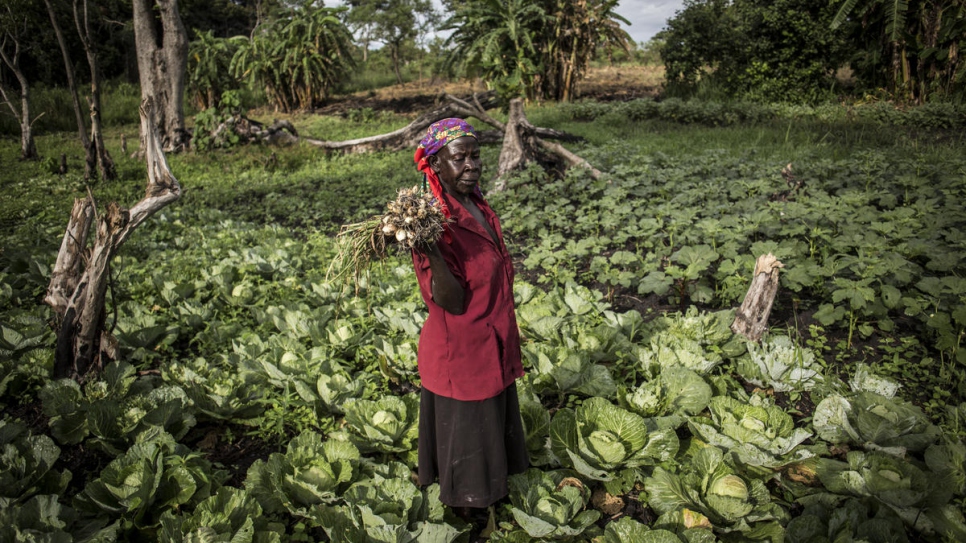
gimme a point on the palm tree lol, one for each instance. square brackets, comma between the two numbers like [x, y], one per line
[532, 49]
[298, 58]
[495, 39]
[209, 60]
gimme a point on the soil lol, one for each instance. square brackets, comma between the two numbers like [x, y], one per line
[606, 83]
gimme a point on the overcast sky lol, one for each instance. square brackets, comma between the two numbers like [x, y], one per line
[647, 17]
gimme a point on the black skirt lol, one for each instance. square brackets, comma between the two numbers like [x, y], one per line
[471, 447]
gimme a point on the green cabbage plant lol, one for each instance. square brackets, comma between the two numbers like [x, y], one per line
[669, 399]
[550, 505]
[387, 510]
[874, 421]
[27, 465]
[626, 529]
[606, 443]
[850, 520]
[116, 409]
[734, 504]
[151, 477]
[536, 425]
[310, 472]
[562, 370]
[757, 432]
[231, 515]
[215, 389]
[386, 425]
[778, 363]
[920, 497]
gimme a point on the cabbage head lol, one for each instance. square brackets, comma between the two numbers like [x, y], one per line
[387, 425]
[310, 472]
[710, 486]
[599, 440]
[920, 497]
[668, 400]
[852, 520]
[550, 505]
[869, 419]
[780, 364]
[759, 433]
[387, 510]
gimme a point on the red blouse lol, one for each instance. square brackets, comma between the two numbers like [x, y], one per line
[473, 356]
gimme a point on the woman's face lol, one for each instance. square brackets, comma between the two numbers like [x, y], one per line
[458, 166]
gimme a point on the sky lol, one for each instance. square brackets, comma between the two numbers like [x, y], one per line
[647, 17]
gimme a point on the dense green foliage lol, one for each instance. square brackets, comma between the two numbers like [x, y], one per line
[778, 51]
[231, 337]
[791, 50]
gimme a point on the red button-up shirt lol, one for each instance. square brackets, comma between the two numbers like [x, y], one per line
[473, 356]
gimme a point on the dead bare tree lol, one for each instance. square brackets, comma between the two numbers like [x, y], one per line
[14, 27]
[96, 150]
[71, 85]
[162, 60]
[522, 141]
[81, 274]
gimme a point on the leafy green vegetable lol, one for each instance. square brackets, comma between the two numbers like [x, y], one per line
[851, 520]
[550, 505]
[27, 465]
[387, 425]
[919, 497]
[758, 432]
[387, 510]
[781, 365]
[600, 440]
[310, 472]
[626, 529]
[707, 484]
[150, 478]
[230, 515]
[675, 394]
[870, 419]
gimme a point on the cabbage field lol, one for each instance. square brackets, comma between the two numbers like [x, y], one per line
[253, 400]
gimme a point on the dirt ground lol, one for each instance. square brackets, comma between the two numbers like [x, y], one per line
[606, 83]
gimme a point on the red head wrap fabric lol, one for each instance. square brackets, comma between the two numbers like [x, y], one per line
[437, 136]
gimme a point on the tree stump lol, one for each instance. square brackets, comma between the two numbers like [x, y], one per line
[751, 319]
[81, 275]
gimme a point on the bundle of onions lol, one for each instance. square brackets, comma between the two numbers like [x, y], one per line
[414, 219]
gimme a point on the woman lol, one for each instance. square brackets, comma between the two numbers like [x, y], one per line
[470, 433]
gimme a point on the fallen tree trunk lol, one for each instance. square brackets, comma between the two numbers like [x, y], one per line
[81, 275]
[751, 319]
[406, 137]
[523, 142]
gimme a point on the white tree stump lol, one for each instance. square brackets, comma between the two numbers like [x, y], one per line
[751, 319]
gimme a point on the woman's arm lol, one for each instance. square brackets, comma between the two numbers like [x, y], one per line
[447, 291]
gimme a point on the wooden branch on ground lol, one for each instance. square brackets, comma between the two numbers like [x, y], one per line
[751, 319]
[81, 276]
[406, 137]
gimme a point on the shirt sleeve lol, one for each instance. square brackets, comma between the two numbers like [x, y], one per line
[425, 275]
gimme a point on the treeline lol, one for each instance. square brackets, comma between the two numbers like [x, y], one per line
[909, 51]
[294, 55]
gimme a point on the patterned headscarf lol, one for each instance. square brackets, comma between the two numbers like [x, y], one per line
[439, 134]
